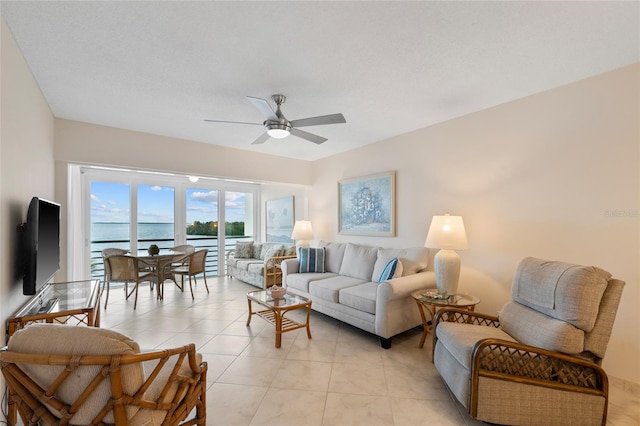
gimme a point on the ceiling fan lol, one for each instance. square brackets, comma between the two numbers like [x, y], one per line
[279, 127]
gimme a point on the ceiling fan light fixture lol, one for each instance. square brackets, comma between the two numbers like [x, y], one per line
[278, 130]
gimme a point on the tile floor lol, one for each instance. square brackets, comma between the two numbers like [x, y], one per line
[340, 377]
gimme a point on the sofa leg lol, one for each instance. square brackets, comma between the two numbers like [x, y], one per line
[385, 343]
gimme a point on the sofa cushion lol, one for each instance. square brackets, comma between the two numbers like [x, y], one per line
[560, 290]
[243, 264]
[244, 250]
[271, 251]
[413, 260]
[329, 289]
[334, 253]
[311, 259]
[255, 268]
[393, 269]
[257, 250]
[361, 297]
[289, 251]
[537, 329]
[301, 281]
[359, 261]
[57, 339]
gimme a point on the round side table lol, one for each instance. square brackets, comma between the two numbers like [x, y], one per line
[464, 301]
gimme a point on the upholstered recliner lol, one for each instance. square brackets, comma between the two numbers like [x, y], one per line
[538, 363]
[59, 374]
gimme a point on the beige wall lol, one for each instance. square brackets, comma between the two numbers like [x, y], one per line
[26, 161]
[85, 143]
[554, 175]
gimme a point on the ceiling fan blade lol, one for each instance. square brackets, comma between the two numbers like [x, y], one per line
[308, 136]
[261, 139]
[320, 120]
[264, 108]
[232, 122]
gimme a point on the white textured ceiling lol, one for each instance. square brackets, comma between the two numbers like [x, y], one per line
[390, 67]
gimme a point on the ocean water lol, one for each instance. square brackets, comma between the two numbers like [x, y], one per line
[116, 235]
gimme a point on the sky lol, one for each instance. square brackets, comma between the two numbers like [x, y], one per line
[110, 203]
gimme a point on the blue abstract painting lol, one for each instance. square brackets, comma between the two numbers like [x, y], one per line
[367, 205]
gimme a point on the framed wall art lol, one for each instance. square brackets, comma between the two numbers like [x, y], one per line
[279, 220]
[367, 205]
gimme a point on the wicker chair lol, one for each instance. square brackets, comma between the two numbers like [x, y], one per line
[194, 265]
[539, 362]
[59, 375]
[126, 269]
[107, 253]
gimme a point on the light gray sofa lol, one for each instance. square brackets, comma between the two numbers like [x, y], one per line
[258, 264]
[349, 290]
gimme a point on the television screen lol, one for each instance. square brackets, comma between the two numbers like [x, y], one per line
[42, 244]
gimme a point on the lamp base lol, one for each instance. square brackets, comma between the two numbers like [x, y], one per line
[302, 244]
[446, 264]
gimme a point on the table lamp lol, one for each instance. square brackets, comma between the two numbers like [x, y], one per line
[448, 234]
[302, 232]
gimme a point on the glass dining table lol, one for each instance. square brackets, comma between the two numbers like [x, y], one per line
[159, 265]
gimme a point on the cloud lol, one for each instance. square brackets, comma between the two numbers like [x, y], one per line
[209, 197]
[156, 188]
[95, 198]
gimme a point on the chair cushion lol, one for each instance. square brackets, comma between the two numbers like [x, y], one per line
[271, 250]
[537, 329]
[358, 262]
[459, 339]
[560, 290]
[69, 340]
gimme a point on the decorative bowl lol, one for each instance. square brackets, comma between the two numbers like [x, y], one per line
[277, 292]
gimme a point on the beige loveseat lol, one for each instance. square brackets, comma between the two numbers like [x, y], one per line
[349, 290]
[258, 264]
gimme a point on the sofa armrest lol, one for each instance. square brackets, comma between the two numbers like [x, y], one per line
[230, 253]
[289, 266]
[402, 287]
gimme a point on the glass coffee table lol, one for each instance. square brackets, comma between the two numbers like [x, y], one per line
[276, 309]
[463, 301]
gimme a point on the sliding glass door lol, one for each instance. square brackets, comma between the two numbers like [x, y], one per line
[132, 210]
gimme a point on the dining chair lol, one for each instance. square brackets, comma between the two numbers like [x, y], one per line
[127, 269]
[193, 265]
[106, 253]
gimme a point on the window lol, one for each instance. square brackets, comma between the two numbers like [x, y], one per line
[119, 204]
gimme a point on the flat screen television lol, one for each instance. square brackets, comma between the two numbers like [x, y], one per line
[41, 239]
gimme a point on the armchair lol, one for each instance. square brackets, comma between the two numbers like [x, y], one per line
[58, 375]
[538, 363]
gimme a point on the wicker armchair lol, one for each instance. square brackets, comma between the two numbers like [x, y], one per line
[58, 375]
[539, 362]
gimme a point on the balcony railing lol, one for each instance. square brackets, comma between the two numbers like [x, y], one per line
[214, 263]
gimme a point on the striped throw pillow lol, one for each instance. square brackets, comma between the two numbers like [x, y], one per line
[393, 269]
[311, 259]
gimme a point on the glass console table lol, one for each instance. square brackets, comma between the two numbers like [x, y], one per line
[71, 303]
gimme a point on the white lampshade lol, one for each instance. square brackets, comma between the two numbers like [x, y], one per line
[447, 232]
[302, 230]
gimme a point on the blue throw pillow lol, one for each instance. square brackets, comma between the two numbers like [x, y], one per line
[311, 259]
[393, 269]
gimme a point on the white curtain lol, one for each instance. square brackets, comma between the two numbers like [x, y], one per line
[77, 268]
